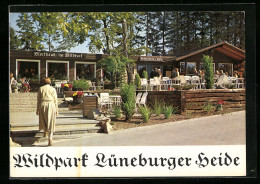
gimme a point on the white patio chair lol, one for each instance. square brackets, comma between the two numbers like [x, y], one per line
[240, 83]
[143, 99]
[176, 81]
[138, 98]
[188, 79]
[144, 83]
[158, 83]
[195, 80]
[105, 100]
[58, 87]
[152, 84]
[165, 81]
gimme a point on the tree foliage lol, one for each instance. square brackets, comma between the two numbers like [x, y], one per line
[131, 33]
[116, 66]
[209, 75]
[127, 92]
[14, 41]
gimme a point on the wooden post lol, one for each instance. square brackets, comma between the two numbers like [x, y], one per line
[183, 101]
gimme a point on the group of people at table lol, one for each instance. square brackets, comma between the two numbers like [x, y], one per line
[15, 86]
[176, 78]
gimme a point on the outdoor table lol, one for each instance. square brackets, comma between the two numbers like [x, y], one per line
[115, 99]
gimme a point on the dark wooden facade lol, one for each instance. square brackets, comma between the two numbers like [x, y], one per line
[221, 53]
[43, 57]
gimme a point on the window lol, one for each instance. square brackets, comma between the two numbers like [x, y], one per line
[227, 68]
[57, 70]
[191, 66]
[86, 70]
[141, 69]
[30, 69]
[182, 68]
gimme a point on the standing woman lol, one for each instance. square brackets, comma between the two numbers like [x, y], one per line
[11, 82]
[47, 109]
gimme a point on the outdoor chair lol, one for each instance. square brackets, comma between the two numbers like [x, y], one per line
[203, 83]
[165, 83]
[157, 83]
[152, 84]
[195, 80]
[144, 83]
[105, 100]
[240, 83]
[138, 98]
[188, 79]
[58, 87]
[143, 99]
[176, 81]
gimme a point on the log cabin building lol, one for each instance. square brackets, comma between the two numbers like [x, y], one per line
[226, 57]
[71, 66]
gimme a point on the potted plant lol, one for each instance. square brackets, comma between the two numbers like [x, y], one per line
[81, 84]
[77, 97]
[67, 87]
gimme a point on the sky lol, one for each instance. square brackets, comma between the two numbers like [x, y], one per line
[82, 48]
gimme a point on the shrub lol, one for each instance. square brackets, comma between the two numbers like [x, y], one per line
[81, 84]
[209, 76]
[145, 112]
[117, 112]
[158, 107]
[169, 110]
[127, 93]
[145, 74]
[208, 107]
[137, 81]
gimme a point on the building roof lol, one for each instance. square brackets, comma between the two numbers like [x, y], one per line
[223, 47]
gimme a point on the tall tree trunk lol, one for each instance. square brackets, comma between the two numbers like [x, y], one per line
[147, 30]
[129, 66]
[163, 35]
[124, 28]
[107, 37]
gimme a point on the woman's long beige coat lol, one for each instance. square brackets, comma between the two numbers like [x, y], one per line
[47, 106]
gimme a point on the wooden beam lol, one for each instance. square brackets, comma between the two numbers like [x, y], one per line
[229, 54]
[236, 51]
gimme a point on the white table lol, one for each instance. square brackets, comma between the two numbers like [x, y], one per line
[115, 99]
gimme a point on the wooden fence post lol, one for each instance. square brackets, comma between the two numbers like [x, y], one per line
[183, 101]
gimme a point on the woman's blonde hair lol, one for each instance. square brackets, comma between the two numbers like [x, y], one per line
[46, 80]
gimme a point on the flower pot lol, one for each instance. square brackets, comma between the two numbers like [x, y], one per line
[75, 99]
[79, 99]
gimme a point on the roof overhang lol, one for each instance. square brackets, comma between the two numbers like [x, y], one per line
[223, 47]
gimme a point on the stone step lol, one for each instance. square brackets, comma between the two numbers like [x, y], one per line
[14, 109]
[57, 127]
[68, 124]
[69, 120]
[32, 140]
[37, 133]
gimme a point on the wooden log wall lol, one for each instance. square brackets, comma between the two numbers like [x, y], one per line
[233, 98]
[167, 97]
[196, 99]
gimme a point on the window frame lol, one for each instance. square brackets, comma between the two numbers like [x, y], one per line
[84, 62]
[28, 60]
